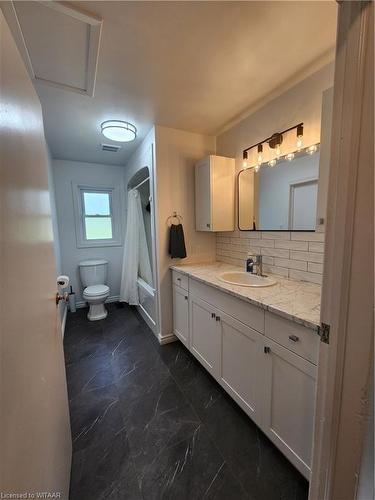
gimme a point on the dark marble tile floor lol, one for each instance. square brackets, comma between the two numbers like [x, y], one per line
[148, 422]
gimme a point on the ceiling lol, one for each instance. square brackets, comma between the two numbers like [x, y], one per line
[195, 66]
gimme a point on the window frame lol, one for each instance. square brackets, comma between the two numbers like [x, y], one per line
[80, 215]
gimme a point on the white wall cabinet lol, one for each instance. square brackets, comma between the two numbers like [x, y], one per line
[270, 373]
[214, 194]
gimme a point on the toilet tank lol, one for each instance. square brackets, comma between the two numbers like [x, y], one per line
[93, 272]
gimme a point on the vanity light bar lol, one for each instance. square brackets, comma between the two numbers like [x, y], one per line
[310, 150]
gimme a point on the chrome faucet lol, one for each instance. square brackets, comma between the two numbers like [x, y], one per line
[258, 262]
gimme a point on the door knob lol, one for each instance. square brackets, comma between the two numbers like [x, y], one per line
[64, 297]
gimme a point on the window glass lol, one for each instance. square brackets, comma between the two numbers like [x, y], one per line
[98, 228]
[96, 203]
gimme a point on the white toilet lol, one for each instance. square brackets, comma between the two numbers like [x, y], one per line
[94, 277]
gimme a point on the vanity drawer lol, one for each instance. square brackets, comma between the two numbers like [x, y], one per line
[181, 280]
[250, 315]
[297, 338]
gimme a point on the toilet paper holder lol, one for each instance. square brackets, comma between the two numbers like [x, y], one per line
[62, 282]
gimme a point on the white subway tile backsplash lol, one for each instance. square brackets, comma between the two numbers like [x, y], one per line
[315, 246]
[297, 255]
[307, 256]
[302, 236]
[275, 252]
[292, 245]
[291, 264]
[276, 235]
[315, 268]
[305, 276]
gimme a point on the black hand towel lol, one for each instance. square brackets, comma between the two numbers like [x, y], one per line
[177, 249]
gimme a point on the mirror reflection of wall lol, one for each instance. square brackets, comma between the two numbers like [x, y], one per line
[280, 198]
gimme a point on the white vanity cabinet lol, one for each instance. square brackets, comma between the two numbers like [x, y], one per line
[289, 402]
[265, 362]
[214, 194]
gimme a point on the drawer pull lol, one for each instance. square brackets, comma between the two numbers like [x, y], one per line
[293, 338]
[213, 315]
[178, 279]
[267, 350]
[186, 297]
[217, 318]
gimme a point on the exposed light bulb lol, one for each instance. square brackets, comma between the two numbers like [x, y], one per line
[300, 136]
[272, 162]
[260, 158]
[289, 156]
[278, 151]
[244, 164]
[260, 154]
[312, 149]
[256, 168]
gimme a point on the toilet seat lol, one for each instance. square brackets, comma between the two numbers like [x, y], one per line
[95, 290]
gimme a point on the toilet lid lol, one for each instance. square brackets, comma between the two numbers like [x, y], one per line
[95, 290]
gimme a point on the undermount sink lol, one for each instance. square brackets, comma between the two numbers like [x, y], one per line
[246, 279]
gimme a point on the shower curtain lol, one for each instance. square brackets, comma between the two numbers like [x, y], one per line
[136, 257]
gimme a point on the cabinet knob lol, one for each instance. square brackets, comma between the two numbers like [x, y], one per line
[186, 297]
[217, 318]
[267, 350]
[213, 315]
[293, 338]
[178, 279]
[208, 225]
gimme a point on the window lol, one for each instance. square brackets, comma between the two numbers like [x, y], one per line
[97, 215]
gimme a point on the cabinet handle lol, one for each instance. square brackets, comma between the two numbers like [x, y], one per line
[186, 297]
[213, 315]
[267, 350]
[208, 225]
[293, 338]
[217, 318]
[178, 279]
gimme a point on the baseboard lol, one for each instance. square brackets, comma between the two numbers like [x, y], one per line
[81, 303]
[167, 339]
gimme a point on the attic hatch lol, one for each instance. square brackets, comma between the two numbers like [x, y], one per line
[58, 43]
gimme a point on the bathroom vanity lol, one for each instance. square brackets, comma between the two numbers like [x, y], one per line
[260, 344]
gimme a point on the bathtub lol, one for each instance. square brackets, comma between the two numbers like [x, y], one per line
[147, 302]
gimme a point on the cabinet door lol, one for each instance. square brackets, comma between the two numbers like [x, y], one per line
[204, 335]
[289, 391]
[203, 196]
[181, 314]
[241, 358]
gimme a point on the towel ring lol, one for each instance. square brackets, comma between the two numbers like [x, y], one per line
[175, 215]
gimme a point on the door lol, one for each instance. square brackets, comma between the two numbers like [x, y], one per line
[35, 432]
[181, 314]
[303, 198]
[289, 401]
[203, 195]
[241, 363]
[205, 334]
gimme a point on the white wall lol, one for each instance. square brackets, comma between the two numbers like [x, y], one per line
[176, 154]
[64, 173]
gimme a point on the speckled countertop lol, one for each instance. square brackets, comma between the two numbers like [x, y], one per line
[298, 301]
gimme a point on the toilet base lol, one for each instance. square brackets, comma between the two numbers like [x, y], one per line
[97, 312]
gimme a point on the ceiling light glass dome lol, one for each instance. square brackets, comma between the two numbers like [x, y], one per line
[119, 131]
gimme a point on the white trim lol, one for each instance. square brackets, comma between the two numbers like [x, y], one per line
[167, 339]
[63, 320]
[116, 210]
[95, 28]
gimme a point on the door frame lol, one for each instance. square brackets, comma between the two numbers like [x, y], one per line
[292, 187]
[345, 364]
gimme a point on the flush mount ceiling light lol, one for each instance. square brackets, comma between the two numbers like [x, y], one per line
[119, 131]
